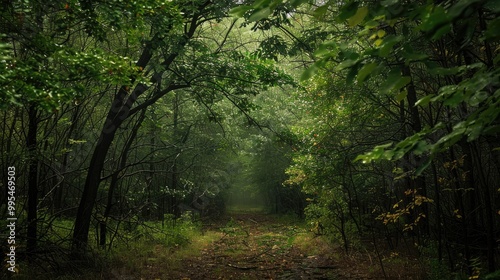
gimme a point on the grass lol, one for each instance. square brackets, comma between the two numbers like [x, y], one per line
[137, 258]
[136, 248]
[239, 209]
[152, 251]
[312, 245]
[163, 249]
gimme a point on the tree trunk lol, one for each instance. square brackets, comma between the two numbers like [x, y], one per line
[116, 177]
[84, 214]
[117, 114]
[416, 125]
[59, 190]
[9, 160]
[120, 110]
[31, 143]
[174, 177]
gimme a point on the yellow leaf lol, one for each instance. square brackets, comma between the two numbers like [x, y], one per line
[381, 33]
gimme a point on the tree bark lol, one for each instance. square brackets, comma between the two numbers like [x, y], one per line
[83, 216]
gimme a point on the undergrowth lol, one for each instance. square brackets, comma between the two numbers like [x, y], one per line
[135, 244]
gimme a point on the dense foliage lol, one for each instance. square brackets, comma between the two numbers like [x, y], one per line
[376, 120]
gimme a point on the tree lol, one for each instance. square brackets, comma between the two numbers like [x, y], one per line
[432, 68]
[40, 60]
[184, 64]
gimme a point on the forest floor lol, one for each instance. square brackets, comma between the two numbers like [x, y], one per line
[257, 246]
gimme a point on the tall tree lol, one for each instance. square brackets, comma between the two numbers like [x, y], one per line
[435, 63]
[183, 64]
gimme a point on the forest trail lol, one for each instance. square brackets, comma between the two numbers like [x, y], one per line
[255, 246]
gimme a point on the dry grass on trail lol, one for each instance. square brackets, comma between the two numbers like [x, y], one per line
[257, 246]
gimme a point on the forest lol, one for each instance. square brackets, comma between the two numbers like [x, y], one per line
[250, 139]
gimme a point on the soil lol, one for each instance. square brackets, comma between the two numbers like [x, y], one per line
[257, 246]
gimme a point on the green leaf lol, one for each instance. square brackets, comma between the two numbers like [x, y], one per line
[353, 72]
[320, 11]
[394, 82]
[410, 54]
[458, 9]
[494, 6]
[296, 3]
[324, 49]
[347, 11]
[492, 30]
[444, 71]
[424, 100]
[259, 14]
[441, 31]
[401, 95]
[477, 98]
[379, 152]
[421, 147]
[358, 16]
[346, 64]
[453, 137]
[387, 44]
[423, 166]
[434, 18]
[387, 3]
[454, 99]
[366, 70]
[239, 11]
[309, 72]
[474, 131]
[261, 3]
[401, 82]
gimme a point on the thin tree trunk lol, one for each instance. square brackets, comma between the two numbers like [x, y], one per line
[116, 177]
[83, 217]
[438, 212]
[9, 159]
[488, 211]
[59, 190]
[416, 125]
[31, 143]
[174, 177]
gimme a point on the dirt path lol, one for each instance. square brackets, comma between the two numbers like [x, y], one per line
[255, 246]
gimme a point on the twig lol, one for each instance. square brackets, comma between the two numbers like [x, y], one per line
[242, 267]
